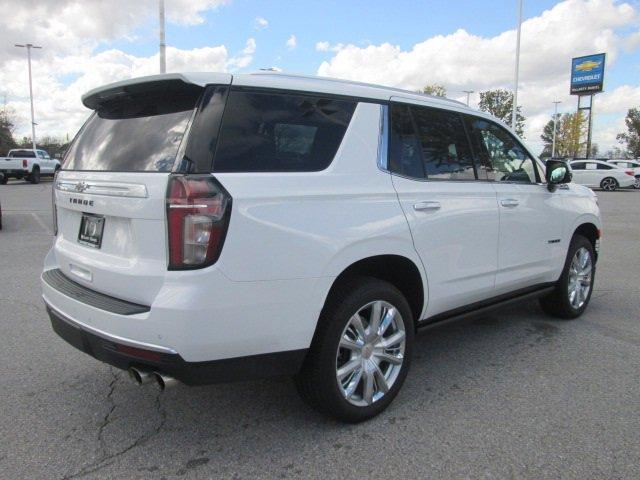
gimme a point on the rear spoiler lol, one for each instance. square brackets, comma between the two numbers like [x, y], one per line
[94, 98]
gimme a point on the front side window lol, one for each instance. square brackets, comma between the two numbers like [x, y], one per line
[578, 166]
[445, 148]
[502, 158]
[277, 132]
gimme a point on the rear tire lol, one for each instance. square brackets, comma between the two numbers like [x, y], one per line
[35, 176]
[636, 184]
[345, 341]
[573, 290]
[609, 184]
[4, 180]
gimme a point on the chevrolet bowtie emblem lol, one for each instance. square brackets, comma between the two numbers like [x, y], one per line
[81, 187]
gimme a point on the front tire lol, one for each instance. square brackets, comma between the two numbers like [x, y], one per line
[573, 291]
[361, 352]
[609, 184]
[3, 180]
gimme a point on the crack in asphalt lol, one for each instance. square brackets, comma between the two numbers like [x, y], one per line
[107, 417]
[105, 459]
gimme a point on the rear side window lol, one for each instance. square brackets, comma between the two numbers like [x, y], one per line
[135, 133]
[277, 132]
[602, 166]
[404, 147]
[445, 147]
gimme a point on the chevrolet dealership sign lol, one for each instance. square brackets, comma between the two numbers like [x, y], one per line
[587, 74]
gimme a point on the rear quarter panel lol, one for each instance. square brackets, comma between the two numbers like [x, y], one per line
[316, 224]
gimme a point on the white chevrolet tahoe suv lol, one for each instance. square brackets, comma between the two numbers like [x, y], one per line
[213, 227]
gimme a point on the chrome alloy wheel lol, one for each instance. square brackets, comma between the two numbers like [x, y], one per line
[371, 353]
[636, 184]
[580, 276]
[608, 184]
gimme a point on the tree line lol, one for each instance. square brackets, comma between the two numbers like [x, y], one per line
[571, 128]
[54, 145]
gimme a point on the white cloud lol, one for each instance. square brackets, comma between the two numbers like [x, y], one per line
[291, 42]
[58, 109]
[260, 23]
[327, 47]
[70, 31]
[463, 61]
[245, 58]
[250, 47]
[617, 100]
[70, 25]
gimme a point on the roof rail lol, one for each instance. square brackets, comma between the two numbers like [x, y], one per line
[354, 82]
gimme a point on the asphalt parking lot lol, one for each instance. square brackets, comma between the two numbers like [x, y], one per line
[510, 395]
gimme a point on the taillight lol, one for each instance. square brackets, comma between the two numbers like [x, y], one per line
[629, 172]
[25, 164]
[198, 211]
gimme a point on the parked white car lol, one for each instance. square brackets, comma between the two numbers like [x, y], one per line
[628, 164]
[600, 174]
[213, 227]
[28, 164]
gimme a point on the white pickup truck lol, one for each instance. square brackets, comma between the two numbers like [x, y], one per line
[28, 164]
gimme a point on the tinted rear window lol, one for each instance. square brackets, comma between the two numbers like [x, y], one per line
[135, 133]
[22, 154]
[275, 132]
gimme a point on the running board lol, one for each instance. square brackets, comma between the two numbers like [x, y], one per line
[484, 306]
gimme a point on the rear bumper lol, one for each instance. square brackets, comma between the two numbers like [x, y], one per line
[124, 353]
[628, 182]
[248, 330]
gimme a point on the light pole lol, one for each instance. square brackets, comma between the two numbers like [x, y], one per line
[163, 45]
[29, 46]
[555, 121]
[517, 68]
[468, 92]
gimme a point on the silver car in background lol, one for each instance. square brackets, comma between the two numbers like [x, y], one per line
[601, 174]
[629, 164]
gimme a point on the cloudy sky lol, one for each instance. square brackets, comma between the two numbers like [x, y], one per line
[463, 44]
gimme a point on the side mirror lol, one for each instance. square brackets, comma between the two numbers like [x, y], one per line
[557, 172]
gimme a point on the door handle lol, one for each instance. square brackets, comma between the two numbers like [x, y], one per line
[509, 202]
[422, 206]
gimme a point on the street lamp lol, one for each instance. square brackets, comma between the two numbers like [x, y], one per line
[517, 68]
[468, 92]
[29, 46]
[163, 45]
[555, 121]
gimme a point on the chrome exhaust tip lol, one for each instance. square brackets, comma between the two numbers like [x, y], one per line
[140, 376]
[164, 381]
